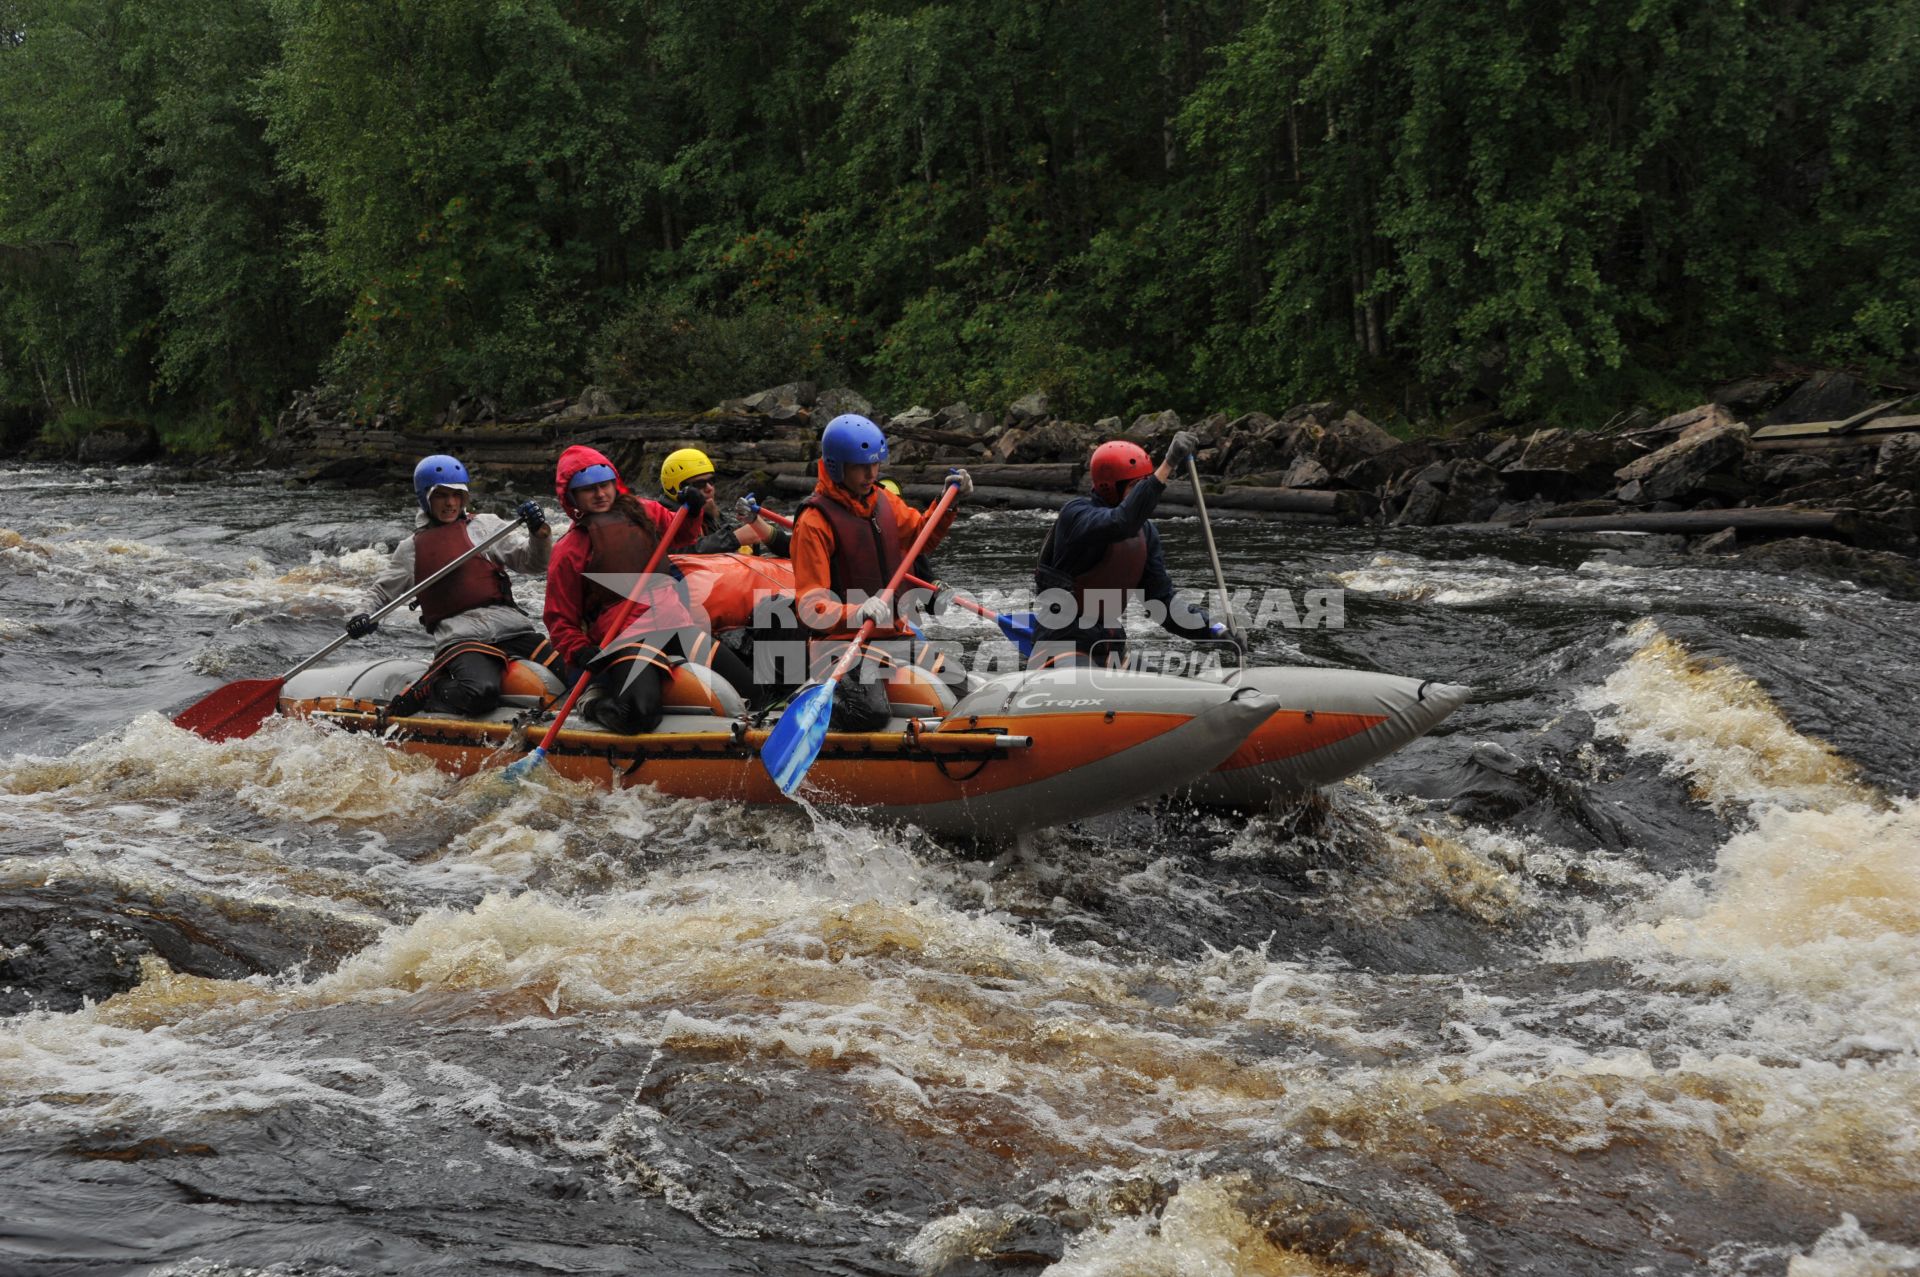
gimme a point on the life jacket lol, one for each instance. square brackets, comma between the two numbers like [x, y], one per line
[619, 547]
[866, 550]
[1102, 592]
[479, 582]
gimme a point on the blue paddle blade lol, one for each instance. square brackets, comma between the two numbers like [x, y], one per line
[520, 767]
[1019, 629]
[795, 740]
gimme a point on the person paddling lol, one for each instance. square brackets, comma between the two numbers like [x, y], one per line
[848, 537]
[1102, 553]
[475, 624]
[686, 477]
[613, 537]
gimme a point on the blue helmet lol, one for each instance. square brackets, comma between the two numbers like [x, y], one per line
[589, 476]
[851, 439]
[438, 471]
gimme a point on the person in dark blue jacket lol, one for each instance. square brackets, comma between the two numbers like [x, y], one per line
[1102, 553]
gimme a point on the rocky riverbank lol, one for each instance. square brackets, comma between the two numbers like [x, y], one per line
[1807, 473]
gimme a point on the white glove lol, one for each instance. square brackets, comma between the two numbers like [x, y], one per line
[879, 610]
[746, 510]
[960, 479]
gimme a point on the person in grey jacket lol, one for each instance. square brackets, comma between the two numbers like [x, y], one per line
[471, 615]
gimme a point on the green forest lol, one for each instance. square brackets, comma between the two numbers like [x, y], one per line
[1541, 208]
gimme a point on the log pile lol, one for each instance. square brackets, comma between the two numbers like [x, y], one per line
[1722, 466]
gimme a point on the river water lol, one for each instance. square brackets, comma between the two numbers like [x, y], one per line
[1619, 972]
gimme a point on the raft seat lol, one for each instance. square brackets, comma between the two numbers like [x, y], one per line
[695, 689]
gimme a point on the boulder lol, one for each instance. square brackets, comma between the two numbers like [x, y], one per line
[117, 443]
[1108, 427]
[1725, 541]
[1751, 396]
[1474, 492]
[1422, 507]
[1713, 442]
[1402, 458]
[832, 403]
[1154, 427]
[593, 402]
[1825, 396]
[1560, 462]
[794, 394]
[1307, 473]
[1346, 442]
[1892, 574]
[1028, 408]
[1054, 441]
[913, 418]
[1898, 463]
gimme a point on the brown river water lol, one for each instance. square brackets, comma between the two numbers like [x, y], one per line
[1617, 973]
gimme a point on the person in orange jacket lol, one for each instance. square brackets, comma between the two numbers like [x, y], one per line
[848, 538]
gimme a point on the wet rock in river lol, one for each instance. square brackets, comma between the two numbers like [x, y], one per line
[1894, 575]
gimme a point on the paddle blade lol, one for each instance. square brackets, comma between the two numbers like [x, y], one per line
[233, 712]
[521, 768]
[795, 740]
[1019, 629]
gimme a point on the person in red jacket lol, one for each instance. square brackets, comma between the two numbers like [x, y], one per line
[614, 535]
[848, 538]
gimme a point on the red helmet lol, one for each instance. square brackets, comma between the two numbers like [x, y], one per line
[1114, 466]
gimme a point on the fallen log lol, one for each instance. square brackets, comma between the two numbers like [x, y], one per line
[1751, 519]
[1037, 499]
[1275, 500]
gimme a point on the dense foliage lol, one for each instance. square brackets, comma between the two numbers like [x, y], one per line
[1203, 204]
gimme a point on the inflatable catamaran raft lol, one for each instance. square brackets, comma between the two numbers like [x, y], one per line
[1014, 753]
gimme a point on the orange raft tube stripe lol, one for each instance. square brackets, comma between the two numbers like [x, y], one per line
[879, 769]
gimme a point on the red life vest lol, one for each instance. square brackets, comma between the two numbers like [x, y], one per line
[479, 582]
[866, 551]
[619, 547]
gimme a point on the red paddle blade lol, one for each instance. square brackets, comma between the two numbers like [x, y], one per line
[235, 711]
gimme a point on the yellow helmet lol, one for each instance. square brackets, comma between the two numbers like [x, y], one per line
[680, 466]
[890, 486]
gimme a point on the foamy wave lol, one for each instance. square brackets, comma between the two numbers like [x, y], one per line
[322, 586]
[97, 1069]
[1813, 918]
[1846, 1251]
[1717, 726]
[287, 768]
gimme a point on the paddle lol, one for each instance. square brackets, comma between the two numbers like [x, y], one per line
[235, 712]
[1219, 577]
[796, 739]
[1017, 626]
[519, 767]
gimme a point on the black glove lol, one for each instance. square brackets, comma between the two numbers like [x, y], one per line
[1181, 450]
[361, 625]
[589, 660]
[692, 497]
[530, 513]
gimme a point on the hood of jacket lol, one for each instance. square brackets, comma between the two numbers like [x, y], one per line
[572, 462]
[826, 487]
